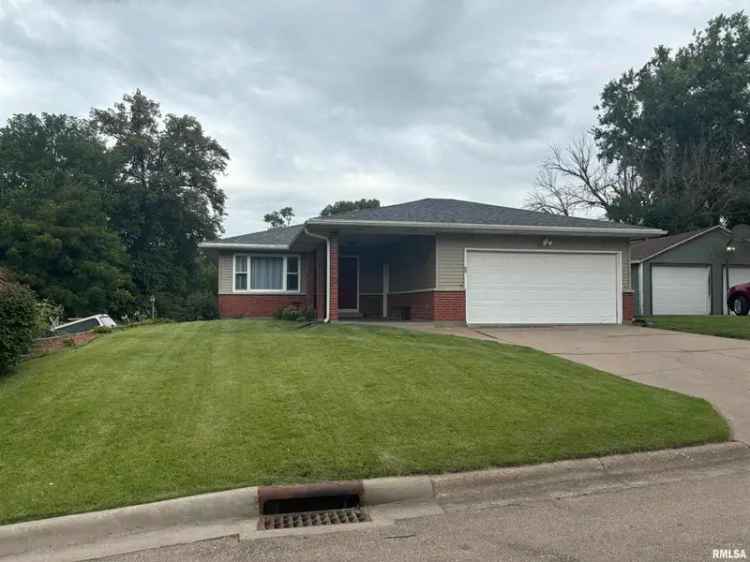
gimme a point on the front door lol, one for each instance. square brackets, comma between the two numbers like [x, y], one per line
[348, 283]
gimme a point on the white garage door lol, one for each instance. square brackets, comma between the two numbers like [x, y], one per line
[680, 289]
[738, 275]
[506, 287]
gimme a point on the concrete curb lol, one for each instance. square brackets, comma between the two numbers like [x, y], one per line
[566, 477]
[84, 528]
[231, 508]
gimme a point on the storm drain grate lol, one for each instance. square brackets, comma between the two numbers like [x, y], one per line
[313, 518]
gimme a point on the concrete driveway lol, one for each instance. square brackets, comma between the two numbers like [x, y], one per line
[717, 369]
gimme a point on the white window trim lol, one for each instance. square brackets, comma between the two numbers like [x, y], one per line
[283, 291]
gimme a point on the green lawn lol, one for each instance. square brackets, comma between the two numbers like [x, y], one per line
[168, 410]
[725, 326]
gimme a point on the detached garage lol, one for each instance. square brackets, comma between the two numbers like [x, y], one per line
[686, 273]
[679, 289]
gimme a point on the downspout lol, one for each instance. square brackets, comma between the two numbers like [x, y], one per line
[328, 271]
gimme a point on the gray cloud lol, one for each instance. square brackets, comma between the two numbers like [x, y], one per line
[318, 101]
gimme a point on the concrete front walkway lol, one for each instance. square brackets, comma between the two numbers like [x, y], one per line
[717, 369]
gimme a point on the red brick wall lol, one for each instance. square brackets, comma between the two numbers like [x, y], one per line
[236, 306]
[420, 305]
[320, 281]
[431, 305]
[334, 282]
[45, 345]
[449, 305]
[628, 306]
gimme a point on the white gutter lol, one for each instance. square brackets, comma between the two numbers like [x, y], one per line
[328, 271]
[511, 229]
[241, 246]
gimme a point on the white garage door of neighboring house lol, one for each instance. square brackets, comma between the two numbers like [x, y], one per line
[680, 289]
[737, 275]
[542, 287]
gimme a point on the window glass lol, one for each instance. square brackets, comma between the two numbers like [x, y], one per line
[267, 273]
[292, 273]
[240, 273]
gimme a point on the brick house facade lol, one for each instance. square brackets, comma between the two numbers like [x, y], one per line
[427, 261]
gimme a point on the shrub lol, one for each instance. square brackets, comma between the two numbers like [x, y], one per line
[291, 312]
[48, 315]
[18, 321]
[201, 306]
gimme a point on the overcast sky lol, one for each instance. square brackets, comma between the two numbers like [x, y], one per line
[326, 100]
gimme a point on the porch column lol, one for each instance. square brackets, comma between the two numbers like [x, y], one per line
[333, 282]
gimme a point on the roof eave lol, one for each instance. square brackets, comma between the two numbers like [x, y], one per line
[241, 246]
[630, 233]
[681, 242]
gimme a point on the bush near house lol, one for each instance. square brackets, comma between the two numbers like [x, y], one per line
[18, 322]
[293, 313]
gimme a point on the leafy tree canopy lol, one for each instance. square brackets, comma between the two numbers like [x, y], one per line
[346, 206]
[165, 193]
[53, 214]
[277, 219]
[100, 214]
[681, 122]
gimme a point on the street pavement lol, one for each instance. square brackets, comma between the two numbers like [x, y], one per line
[682, 516]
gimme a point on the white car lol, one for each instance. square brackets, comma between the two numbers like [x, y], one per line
[85, 324]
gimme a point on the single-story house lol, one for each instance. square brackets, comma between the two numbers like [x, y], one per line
[689, 273]
[434, 259]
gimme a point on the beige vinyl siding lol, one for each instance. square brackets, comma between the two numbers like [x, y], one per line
[225, 273]
[451, 247]
[412, 264]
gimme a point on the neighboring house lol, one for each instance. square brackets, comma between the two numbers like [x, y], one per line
[435, 259]
[687, 273]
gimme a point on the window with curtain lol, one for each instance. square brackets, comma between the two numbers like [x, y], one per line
[267, 273]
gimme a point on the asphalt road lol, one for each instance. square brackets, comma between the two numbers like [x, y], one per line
[684, 518]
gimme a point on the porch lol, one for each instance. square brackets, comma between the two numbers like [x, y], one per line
[385, 277]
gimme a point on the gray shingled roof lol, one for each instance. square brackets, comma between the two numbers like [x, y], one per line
[466, 212]
[275, 236]
[445, 211]
[644, 249]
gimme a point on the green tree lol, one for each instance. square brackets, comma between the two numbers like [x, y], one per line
[277, 219]
[346, 206]
[682, 122]
[54, 230]
[165, 194]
